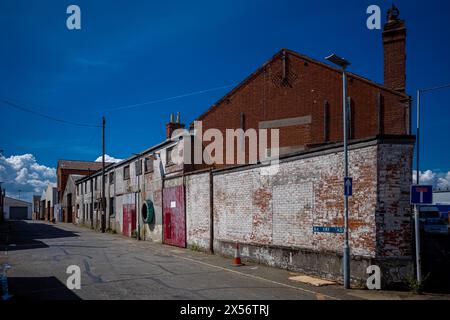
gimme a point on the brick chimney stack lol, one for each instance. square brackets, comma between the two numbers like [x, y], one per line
[172, 125]
[394, 45]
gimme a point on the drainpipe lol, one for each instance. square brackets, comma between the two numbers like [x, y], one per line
[144, 193]
[115, 198]
[137, 201]
[211, 211]
[91, 211]
[162, 209]
[161, 169]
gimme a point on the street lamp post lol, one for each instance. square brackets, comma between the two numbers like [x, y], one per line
[342, 63]
[416, 210]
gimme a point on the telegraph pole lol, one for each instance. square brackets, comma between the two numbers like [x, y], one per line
[103, 176]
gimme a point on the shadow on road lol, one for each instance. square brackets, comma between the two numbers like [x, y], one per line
[39, 288]
[21, 235]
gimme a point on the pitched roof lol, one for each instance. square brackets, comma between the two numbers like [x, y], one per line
[80, 165]
[298, 55]
[17, 200]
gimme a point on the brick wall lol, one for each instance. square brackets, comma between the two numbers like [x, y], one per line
[198, 210]
[309, 87]
[394, 211]
[272, 217]
[281, 210]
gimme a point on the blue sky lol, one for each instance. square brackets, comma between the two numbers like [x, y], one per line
[129, 52]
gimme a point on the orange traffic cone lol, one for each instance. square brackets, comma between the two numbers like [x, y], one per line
[237, 257]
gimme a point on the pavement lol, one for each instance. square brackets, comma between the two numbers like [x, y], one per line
[115, 267]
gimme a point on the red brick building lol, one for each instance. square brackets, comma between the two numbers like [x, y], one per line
[302, 97]
[68, 167]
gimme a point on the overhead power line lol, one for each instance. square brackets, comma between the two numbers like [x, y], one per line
[169, 98]
[25, 109]
[19, 107]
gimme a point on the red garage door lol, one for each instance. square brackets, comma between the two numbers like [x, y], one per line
[174, 216]
[129, 219]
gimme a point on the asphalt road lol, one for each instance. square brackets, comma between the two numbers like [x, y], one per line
[115, 267]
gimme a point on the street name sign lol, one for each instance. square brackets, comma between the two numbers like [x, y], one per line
[328, 229]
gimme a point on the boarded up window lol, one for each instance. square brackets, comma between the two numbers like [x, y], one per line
[148, 165]
[138, 167]
[126, 172]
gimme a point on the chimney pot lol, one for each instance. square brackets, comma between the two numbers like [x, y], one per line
[171, 126]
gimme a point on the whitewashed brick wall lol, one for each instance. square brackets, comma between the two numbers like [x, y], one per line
[281, 210]
[198, 210]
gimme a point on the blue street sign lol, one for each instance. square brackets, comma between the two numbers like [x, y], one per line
[421, 194]
[328, 229]
[348, 186]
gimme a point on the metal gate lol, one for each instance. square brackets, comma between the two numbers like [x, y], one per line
[128, 219]
[18, 213]
[174, 216]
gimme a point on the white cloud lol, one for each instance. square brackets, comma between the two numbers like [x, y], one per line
[22, 172]
[437, 179]
[108, 158]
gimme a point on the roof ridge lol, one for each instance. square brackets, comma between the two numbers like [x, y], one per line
[301, 56]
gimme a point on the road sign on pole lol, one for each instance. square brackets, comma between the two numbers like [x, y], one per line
[421, 194]
[348, 186]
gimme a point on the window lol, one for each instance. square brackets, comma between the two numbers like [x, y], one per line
[126, 173]
[95, 184]
[112, 211]
[111, 178]
[85, 187]
[148, 164]
[138, 167]
[169, 156]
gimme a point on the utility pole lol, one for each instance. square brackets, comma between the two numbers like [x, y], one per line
[103, 176]
[416, 209]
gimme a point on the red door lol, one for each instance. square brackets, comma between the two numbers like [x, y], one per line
[125, 221]
[174, 217]
[128, 219]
